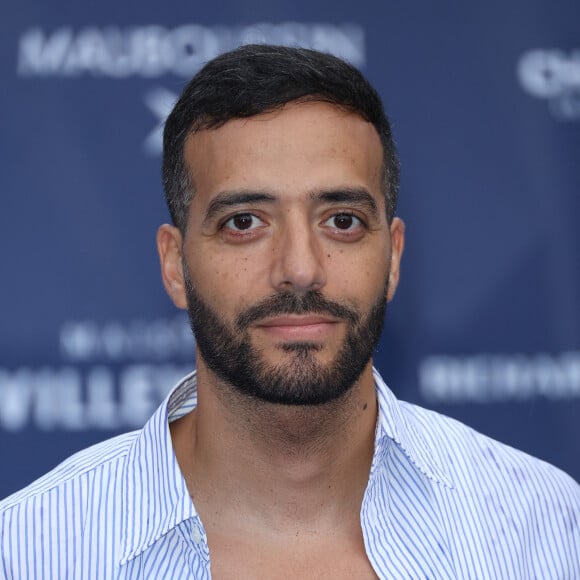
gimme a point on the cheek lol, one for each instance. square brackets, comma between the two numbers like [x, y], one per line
[225, 283]
[359, 275]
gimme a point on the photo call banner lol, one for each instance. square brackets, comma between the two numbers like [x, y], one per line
[484, 100]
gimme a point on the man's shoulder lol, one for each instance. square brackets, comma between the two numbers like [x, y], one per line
[73, 470]
[472, 459]
[501, 503]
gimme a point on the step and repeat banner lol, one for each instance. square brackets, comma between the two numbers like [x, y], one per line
[485, 104]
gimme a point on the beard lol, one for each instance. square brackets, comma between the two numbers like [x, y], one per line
[301, 380]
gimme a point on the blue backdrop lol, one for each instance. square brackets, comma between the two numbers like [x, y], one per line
[485, 104]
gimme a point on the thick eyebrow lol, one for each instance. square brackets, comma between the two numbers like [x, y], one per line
[228, 199]
[357, 197]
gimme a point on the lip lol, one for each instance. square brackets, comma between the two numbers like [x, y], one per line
[297, 320]
[292, 327]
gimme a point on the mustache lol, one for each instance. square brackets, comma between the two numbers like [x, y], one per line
[287, 302]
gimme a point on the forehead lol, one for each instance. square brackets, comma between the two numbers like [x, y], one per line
[300, 148]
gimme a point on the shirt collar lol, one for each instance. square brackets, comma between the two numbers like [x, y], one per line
[395, 424]
[156, 498]
[155, 495]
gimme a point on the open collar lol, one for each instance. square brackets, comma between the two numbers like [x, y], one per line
[156, 498]
[155, 495]
[394, 424]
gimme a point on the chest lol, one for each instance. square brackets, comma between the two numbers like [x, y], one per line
[304, 558]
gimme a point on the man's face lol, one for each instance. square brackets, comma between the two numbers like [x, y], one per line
[288, 259]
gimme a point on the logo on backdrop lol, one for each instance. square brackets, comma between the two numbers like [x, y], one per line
[554, 76]
[489, 378]
[153, 51]
[159, 101]
[111, 376]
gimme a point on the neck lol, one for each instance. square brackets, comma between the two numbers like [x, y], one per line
[281, 467]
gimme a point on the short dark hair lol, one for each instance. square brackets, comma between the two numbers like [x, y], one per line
[256, 79]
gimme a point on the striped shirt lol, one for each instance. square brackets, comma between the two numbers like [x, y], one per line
[442, 501]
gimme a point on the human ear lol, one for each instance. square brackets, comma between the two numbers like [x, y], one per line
[397, 229]
[169, 244]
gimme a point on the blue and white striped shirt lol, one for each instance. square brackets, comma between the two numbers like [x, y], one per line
[442, 501]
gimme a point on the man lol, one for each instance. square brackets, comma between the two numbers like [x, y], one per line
[286, 456]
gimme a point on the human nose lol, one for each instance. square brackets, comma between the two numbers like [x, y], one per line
[297, 262]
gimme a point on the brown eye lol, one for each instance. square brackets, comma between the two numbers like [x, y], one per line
[346, 226]
[343, 221]
[243, 222]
